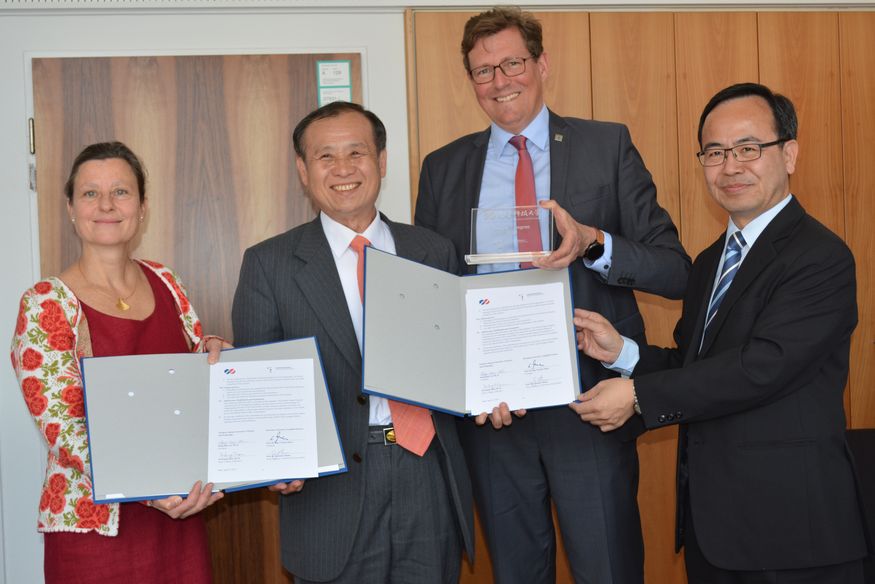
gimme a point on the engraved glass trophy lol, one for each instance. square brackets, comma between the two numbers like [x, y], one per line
[510, 235]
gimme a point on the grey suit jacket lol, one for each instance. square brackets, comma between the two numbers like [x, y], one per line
[289, 288]
[597, 175]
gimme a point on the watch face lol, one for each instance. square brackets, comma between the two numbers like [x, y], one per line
[594, 251]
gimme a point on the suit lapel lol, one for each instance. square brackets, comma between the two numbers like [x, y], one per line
[406, 246]
[474, 165]
[559, 142]
[320, 285]
[709, 259]
[763, 253]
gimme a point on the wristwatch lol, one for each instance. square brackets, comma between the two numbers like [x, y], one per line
[635, 405]
[596, 249]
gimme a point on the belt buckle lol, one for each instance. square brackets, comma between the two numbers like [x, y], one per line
[389, 436]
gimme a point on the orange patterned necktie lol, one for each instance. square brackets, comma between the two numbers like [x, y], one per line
[414, 428]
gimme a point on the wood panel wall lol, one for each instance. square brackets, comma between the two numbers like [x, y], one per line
[655, 72]
[857, 75]
[643, 92]
[214, 133]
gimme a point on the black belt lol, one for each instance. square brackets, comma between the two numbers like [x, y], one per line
[381, 435]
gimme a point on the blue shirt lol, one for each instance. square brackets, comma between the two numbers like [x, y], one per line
[497, 191]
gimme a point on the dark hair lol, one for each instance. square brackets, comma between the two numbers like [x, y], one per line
[782, 108]
[498, 19]
[332, 110]
[105, 151]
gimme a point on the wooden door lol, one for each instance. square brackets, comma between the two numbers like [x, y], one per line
[214, 133]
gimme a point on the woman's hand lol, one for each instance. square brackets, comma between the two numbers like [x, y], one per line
[197, 500]
[214, 345]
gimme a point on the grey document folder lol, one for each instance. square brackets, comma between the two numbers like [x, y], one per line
[148, 420]
[414, 346]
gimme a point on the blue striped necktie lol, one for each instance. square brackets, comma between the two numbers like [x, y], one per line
[731, 261]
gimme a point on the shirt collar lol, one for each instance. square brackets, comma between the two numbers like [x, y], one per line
[339, 236]
[536, 133]
[755, 228]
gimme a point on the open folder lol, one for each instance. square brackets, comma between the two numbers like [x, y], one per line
[464, 344]
[149, 416]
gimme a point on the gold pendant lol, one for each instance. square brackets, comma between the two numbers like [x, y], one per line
[122, 305]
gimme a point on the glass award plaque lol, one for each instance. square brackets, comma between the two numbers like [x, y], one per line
[510, 235]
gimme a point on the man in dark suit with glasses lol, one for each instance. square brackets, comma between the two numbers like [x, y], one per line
[616, 238]
[766, 488]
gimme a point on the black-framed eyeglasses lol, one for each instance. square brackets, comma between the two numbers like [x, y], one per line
[510, 67]
[742, 153]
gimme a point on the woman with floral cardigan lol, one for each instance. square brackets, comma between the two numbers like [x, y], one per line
[105, 304]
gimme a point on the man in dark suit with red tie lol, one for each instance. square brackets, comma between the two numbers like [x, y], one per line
[616, 239]
[767, 490]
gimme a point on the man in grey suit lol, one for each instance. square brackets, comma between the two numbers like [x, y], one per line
[604, 203]
[400, 513]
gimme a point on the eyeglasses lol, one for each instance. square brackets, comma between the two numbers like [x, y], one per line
[510, 67]
[742, 153]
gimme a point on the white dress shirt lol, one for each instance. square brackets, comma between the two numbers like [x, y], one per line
[339, 237]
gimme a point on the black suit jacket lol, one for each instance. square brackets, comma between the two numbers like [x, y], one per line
[762, 451]
[597, 175]
[289, 288]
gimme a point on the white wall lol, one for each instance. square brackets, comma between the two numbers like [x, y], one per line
[379, 35]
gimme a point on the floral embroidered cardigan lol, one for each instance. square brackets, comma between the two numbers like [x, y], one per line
[51, 334]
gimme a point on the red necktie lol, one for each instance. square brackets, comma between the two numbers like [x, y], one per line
[528, 229]
[414, 428]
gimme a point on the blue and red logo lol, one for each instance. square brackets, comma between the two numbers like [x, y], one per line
[483, 301]
[230, 371]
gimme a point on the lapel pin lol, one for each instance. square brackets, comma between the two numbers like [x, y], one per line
[557, 137]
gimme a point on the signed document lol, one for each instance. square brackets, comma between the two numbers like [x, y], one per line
[517, 347]
[464, 344]
[158, 423]
[262, 420]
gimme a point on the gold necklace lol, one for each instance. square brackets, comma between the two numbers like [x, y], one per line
[120, 301]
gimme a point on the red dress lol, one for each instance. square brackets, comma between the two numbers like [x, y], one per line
[150, 546]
